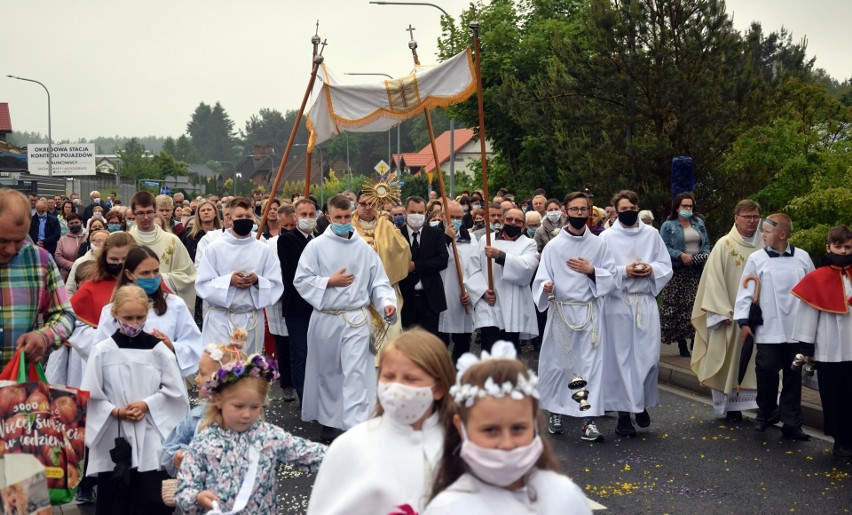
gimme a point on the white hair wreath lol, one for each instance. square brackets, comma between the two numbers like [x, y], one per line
[469, 393]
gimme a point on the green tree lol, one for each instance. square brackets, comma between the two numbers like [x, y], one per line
[169, 146]
[136, 161]
[211, 131]
[185, 151]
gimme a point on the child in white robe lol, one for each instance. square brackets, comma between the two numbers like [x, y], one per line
[415, 375]
[136, 394]
[494, 459]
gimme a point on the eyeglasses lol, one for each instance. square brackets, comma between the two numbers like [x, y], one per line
[534, 226]
[750, 218]
[363, 204]
[515, 220]
[578, 210]
[145, 213]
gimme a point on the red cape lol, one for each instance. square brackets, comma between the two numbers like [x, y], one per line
[90, 299]
[823, 289]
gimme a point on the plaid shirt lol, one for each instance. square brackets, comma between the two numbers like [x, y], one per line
[30, 285]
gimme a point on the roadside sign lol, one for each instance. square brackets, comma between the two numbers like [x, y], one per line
[381, 167]
[165, 190]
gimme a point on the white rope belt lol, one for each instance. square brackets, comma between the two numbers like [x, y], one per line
[589, 320]
[344, 313]
[231, 312]
[633, 299]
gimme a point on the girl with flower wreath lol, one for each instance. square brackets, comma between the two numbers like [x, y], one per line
[494, 459]
[214, 473]
[415, 375]
[214, 357]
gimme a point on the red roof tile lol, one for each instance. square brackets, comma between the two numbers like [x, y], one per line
[424, 158]
[5, 118]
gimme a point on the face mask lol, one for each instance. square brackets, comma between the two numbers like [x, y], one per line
[352, 206]
[435, 223]
[686, 213]
[840, 259]
[554, 216]
[113, 227]
[465, 208]
[131, 331]
[512, 231]
[97, 201]
[399, 220]
[405, 404]
[496, 227]
[114, 268]
[499, 467]
[577, 222]
[476, 206]
[457, 225]
[342, 230]
[93, 248]
[306, 224]
[415, 220]
[530, 232]
[131, 224]
[76, 202]
[149, 284]
[242, 227]
[628, 218]
[75, 229]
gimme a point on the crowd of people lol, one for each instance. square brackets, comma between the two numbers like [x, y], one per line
[366, 311]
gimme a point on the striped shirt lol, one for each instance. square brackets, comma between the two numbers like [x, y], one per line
[30, 285]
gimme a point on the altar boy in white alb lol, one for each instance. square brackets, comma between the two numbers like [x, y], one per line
[340, 276]
[631, 315]
[575, 274]
[238, 276]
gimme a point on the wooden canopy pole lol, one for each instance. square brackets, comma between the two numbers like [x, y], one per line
[318, 59]
[474, 26]
[413, 46]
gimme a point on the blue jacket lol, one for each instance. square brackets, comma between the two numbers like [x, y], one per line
[672, 233]
[180, 437]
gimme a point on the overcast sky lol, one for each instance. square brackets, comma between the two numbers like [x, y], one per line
[141, 68]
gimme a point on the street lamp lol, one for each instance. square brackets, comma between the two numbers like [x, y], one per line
[398, 126]
[49, 130]
[236, 176]
[452, 122]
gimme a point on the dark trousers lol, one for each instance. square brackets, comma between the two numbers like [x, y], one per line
[282, 352]
[144, 496]
[461, 343]
[298, 330]
[493, 334]
[416, 312]
[772, 358]
[835, 385]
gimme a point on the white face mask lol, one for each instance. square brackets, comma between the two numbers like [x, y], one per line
[405, 404]
[554, 216]
[499, 467]
[306, 224]
[415, 220]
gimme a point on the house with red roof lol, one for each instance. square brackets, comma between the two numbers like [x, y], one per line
[5, 121]
[465, 147]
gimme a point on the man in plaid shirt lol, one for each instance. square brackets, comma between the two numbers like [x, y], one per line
[30, 285]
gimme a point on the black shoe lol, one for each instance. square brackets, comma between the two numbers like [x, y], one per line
[735, 416]
[759, 425]
[625, 426]
[328, 434]
[795, 433]
[842, 451]
[684, 350]
[643, 419]
[775, 418]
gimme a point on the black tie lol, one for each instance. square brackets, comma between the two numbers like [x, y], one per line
[415, 245]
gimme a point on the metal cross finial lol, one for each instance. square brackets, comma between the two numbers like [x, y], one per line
[317, 32]
[324, 43]
[411, 30]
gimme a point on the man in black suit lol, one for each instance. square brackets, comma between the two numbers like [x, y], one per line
[423, 289]
[44, 228]
[297, 312]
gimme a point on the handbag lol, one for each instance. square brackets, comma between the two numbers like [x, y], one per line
[168, 491]
[169, 487]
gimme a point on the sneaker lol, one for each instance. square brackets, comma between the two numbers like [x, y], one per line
[590, 433]
[625, 426]
[290, 394]
[555, 424]
[85, 495]
[643, 419]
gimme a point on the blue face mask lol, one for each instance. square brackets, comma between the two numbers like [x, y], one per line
[149, 284]
[457, 225]
[399, 220]
[114, 227]
[342, 230]
[496, 227]
[530, 232]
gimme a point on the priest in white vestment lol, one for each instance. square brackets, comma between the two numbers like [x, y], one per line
[576, 273]
[176, 266]
[454, 323]
[238, 277]
[341, 276]
[631, 315]
[507, 312]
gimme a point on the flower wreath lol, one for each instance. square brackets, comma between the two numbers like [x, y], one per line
[467, 394]
[255, 366]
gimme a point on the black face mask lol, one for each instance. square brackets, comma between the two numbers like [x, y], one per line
[512, 231]
[243, 226]
[577, 222]
[628, 218]
[75, 229]
[840, 259]
[114, 268]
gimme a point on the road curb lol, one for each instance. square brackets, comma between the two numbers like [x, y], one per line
[686, 380]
